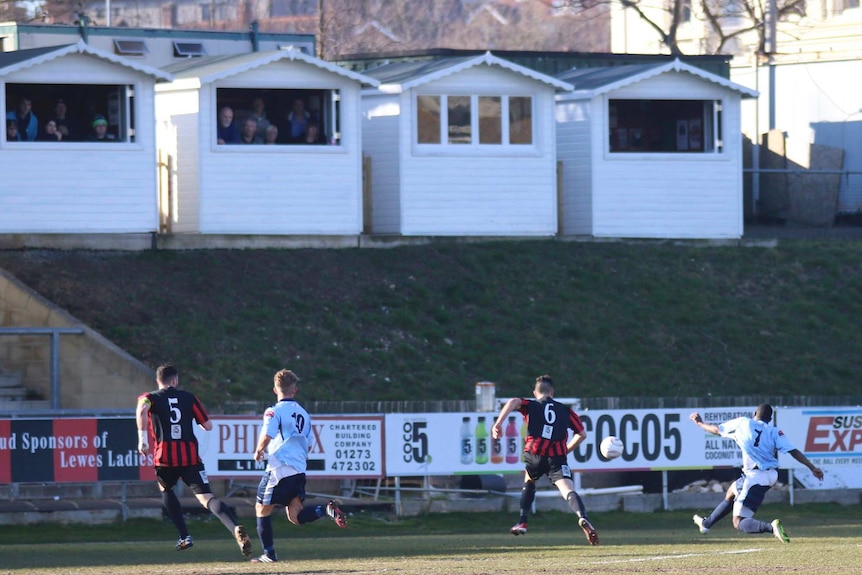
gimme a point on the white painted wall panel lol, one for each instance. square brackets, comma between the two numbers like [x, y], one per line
[76, 69]
[490, 80]
[272, 193]
[574, 120]
[88, 190]
[479, 196]
[671, 86]
[380, 142]
[181, 110]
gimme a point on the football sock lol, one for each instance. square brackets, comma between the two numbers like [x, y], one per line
[721, 510]
[576, 504]
[528, 495]
[264, 533]
[310, 513]
[219, 509]
[752, 525]
[175, 511]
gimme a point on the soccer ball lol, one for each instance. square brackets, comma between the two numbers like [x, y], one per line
[611, 447]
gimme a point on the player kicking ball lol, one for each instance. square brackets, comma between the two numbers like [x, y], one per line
[760, 442]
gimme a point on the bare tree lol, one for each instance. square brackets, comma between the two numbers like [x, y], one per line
[733, 19]
[724, 19]
[12, 11]
[367, 26]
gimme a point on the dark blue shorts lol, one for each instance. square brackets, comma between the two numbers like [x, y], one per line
[273, 491]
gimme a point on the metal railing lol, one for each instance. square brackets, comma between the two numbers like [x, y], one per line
[54, 333]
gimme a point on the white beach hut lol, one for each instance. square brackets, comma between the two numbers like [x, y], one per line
[288, 188]
[461, 146]
[79, 184]
[651, 151]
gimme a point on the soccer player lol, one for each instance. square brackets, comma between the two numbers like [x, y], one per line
[546, 448]
[169, 414]
[760, 444]
[283, 443]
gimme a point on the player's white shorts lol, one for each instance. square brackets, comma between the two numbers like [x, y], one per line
[751, 488]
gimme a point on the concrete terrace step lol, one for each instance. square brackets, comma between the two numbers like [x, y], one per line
[10, 379]
[7, 405]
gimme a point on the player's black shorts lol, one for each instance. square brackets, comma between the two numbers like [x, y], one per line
[555, 466]
[195, 476]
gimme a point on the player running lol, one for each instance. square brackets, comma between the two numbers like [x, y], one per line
[283, 444]
[548, 422]
[760, 444]
[169, 413]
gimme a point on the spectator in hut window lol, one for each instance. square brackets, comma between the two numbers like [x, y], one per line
[270, 136]
[313, 135]
[12, 134]
[28, 125]
[66, 127]
[297, 122]
[248, 135]
[50, 133]
[227, 131]
[258, 113]
[100, 130]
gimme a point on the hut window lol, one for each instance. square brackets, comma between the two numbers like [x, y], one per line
[428, 119]
[485, 122]
[663, 126]
[520, 120]
[77, 111]
[291, 116]
[490, 120]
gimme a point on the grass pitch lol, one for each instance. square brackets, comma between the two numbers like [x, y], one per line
[825, 539]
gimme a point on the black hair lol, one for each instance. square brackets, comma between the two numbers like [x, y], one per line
[763, 412]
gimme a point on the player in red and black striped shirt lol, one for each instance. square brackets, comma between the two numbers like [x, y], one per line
[168, 414]
[546, 448]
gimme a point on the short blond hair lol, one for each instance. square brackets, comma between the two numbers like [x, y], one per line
[285, 378]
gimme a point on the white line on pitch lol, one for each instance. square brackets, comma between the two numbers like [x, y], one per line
[682, 556]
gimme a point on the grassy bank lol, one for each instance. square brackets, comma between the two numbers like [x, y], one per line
[605, 319]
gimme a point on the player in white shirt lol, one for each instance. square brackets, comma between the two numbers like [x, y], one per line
[760, 443]
[283, 444]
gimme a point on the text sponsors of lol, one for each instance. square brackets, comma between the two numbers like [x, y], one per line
[74, 449]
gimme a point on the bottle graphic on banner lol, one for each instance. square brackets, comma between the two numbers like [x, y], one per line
[481, 442]
[523, 438]
[497, 450]
[466, 442]
[512, 441]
